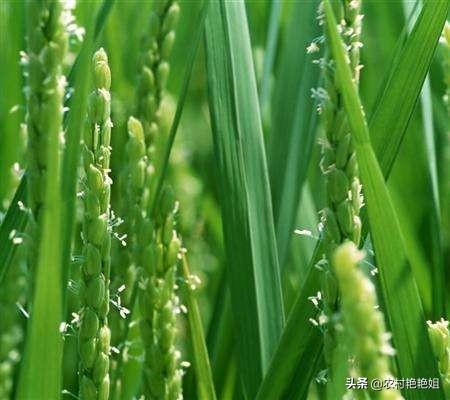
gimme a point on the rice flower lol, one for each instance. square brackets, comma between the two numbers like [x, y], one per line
[159, 306]
[154, 69]
[365, 331]
[94, 334]
[340, 218]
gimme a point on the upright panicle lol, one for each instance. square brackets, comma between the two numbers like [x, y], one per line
[153, 73]
[340, 220]
[94, 334]
[162, 378]
[159, 306]
[154, 67]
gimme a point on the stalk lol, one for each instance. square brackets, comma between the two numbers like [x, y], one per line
[340, 217]
[157, 244]
[94, 333]
[47, 45]
[46, 49]
[364, 326]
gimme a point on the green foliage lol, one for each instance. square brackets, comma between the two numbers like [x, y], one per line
[244, 193]
[11, 114]
[293, 122]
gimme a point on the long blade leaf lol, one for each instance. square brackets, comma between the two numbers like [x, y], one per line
[244, 189]
[405, 81]
[293, 124]
[269, 54]
[437, 266]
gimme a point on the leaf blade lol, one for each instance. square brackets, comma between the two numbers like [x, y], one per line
[245, 196]
[293, 122]
[405, 81]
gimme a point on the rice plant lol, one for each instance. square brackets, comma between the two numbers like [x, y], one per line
[224, 200]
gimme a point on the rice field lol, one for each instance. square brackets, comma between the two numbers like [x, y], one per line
[224, 200]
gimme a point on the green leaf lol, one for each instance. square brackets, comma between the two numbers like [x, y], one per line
[405, 81]
[40, 374]
[200, 353]
[269, 54]
[11, 99]
[300, 344]
[220, 340]
[399, 290]
[293, 125]
[244, 191]
[435, 225]
[433, 206]
[293, 347]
